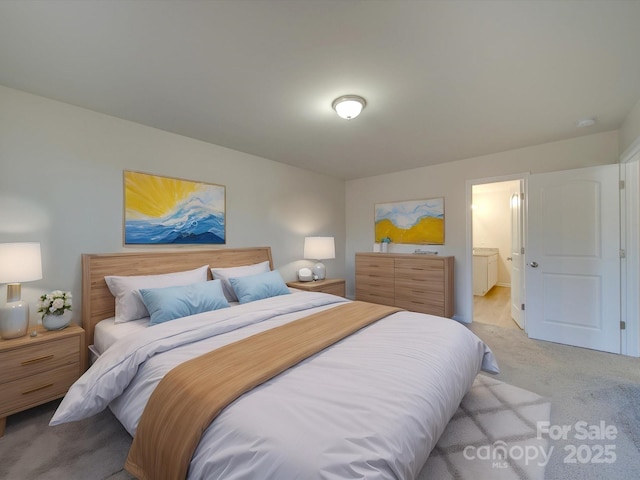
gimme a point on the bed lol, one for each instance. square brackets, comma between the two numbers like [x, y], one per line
[371, 405]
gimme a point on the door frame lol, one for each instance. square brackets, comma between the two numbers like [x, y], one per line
[630, 243]
[468, 266]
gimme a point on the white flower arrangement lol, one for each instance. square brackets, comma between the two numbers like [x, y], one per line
[54, 303]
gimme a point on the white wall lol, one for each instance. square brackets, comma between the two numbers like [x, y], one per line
[630, 129]
[61, 185]
[492, 222]
[449, 180]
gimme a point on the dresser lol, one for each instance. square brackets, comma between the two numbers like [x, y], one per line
[420, 283]
[36, 370]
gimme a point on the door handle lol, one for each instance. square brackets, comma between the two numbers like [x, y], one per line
[509, 259]
[533, 264]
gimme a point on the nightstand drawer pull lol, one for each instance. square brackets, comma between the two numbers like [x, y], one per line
[37, 388]
[39, 359]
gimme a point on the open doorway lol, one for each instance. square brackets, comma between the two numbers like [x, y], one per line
[496, 239]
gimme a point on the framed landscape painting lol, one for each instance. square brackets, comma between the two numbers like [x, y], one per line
[413, 221]
[169, 211]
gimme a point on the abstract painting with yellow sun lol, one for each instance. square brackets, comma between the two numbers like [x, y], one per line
[165, 210]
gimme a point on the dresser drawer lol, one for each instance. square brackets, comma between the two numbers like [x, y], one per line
[36, 389]
[39, 357]
[415, 293]
[374, 266]
[365, 296]
[420, 269]
[375, 289]
[369, 281]
[436, 308]
[431, 285]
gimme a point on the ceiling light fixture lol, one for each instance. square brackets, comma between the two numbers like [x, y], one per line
[349, 106]
[586, 122]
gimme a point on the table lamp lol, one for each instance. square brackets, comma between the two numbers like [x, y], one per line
[19, 262]
[319, 248]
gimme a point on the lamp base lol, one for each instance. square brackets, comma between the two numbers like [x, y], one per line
[14, 319]
[319, 271]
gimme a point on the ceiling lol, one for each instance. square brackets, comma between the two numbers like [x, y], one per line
[444, 80]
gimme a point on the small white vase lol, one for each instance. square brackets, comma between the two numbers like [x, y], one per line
[57, 322]
[384, 247]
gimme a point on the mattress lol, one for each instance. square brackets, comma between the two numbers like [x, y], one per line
[107, 332]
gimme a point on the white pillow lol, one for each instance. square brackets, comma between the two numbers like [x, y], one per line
[129, 304]
[225, 274]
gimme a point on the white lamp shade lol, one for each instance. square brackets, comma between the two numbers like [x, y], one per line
[319, 248]
[20, 262]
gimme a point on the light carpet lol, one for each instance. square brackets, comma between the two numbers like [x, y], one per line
[96, 448]
[493, 435]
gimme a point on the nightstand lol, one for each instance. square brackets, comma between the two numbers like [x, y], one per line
[36, 370]
[334, 286]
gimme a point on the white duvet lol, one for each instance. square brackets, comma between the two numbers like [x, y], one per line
[371, 406]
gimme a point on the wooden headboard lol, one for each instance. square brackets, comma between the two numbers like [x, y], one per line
[97, 301]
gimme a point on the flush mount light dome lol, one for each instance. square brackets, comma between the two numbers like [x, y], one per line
[586, 122]
[349, 106]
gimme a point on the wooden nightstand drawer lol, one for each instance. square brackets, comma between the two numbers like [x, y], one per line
[334, 286]
[40, 357]
[36, 389]
[337, 289]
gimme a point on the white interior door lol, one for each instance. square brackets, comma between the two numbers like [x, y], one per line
[516, 255]
[573, 259]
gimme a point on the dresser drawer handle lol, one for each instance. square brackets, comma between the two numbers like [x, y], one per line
[39, 359]
[37, 388]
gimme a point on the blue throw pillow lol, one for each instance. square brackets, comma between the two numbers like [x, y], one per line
[168, 303]
[259, 286]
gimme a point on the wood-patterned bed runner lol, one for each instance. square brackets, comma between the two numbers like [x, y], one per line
[192, 394]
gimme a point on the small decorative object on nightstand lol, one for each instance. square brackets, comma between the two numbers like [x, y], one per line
[334, 286]
[38, 369]
[56, 309]
[305, 275]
